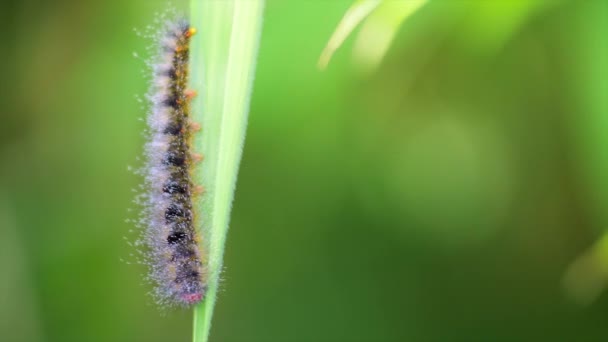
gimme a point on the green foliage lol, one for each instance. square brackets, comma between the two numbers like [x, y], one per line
[381, 20]
[223, 60]
[440, 197]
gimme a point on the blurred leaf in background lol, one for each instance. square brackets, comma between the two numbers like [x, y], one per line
[441, 197]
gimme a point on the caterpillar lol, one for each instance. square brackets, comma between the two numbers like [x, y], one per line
[172, 252]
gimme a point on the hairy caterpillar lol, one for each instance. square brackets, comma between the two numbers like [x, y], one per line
[175, 260]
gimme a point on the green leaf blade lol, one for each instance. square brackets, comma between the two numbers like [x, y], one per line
[223, 60]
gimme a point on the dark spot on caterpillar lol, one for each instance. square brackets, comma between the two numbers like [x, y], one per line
[173, 102]
[183, 251]
[173, 212]
[173, 129]
[189, 273]
[172, 73]
[175, 159]
[175, 237]
[173, 187]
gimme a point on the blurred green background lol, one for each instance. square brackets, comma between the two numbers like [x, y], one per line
[456, 193]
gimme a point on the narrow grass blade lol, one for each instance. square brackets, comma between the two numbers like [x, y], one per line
[355, 14]
[379, 30]
[382, 20]
[223, 59]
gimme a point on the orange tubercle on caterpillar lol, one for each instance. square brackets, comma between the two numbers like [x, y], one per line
[190, 32]
[195, 126]
[197, 157]
[198, 189]
[190, 94]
